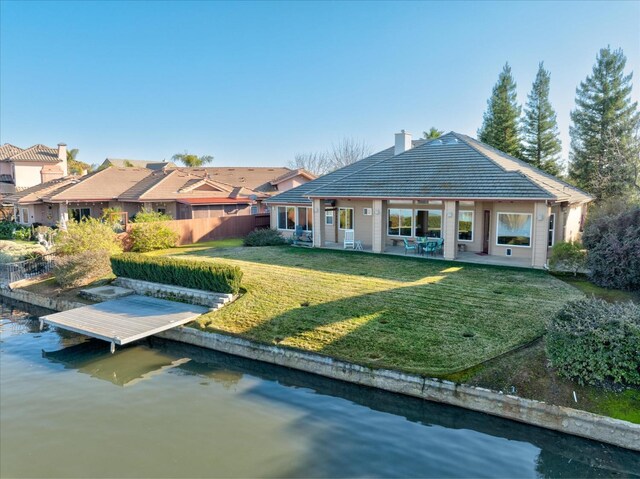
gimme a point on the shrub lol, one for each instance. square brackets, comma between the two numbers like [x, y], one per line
[10, 252]
[567, 256]
[10, 230]
[152, 236]
[264, 238]
[88, 234]
[203, 275]
[591, 341]
[22, 233]
[72, 271]
[612, 239]
[147, 215]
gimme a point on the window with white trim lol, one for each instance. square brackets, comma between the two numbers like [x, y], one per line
[328, 217]
[552, 230]
[254, 210]
[400, 222]
[286, 218]
[514, 229]
[16, 214]
[78, 214]
[345, 218]
[465, 225]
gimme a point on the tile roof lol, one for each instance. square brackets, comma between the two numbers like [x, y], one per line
[106, 184]
[181, 183]
[452, 166]
[36, 153]
[7, 151]
[37, 193]
[293, 174]
[298, 195]
[255, 178]
[125, 163]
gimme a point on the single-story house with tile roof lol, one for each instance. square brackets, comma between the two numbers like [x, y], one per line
[22, 168]
[182, 193]
[480, 201]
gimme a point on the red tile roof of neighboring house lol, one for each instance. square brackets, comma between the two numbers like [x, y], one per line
[214, 201]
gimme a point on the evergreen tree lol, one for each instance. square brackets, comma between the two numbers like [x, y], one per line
[604, 141]
[542, 146]
[500, 125]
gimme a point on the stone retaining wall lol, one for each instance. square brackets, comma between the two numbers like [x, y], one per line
[55, 304]
[538, 413]
[165, 291]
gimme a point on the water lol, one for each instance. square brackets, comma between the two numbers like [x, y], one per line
[163, 409]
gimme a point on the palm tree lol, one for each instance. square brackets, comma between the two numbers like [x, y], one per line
[192, 160]
[75, 166]
[432, 134]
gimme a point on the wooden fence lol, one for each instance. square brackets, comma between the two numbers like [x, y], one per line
[206, 229]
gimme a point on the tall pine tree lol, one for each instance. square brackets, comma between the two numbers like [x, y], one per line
[542, 145]
[500, 125]
[604, 142]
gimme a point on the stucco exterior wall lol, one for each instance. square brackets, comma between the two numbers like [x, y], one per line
[362, 225]
[510, 207]
[27, 175]
[572, 220]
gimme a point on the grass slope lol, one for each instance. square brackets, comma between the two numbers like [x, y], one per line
[427, 317]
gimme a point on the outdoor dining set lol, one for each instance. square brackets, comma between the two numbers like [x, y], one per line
[424, 246]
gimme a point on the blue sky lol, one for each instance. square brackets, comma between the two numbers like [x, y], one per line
[256, 83]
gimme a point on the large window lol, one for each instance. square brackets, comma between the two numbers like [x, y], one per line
[286, 217]
[429, 223]
[305, 218]
[400, 222]
[289, 217]
[552, 227]
[345, 218]
[328, 217]
[514, 229]
[78, 214]
[465, 225]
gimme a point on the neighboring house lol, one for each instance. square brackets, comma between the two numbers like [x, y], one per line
[23, 168]
[183, 193]
[454, 187]
[124, 163]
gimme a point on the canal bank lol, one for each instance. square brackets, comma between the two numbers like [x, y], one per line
[563, 419]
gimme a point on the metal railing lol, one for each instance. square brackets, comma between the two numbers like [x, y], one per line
[12, 272]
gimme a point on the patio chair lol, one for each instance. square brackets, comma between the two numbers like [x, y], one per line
[430, 247]
[349, 241]
[439, 245]
[408, 247]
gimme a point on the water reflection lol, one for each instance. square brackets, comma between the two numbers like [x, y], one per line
[263, 419]
[126, 367]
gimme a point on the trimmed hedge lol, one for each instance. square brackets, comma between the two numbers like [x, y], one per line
[593, 341]
[219, 278]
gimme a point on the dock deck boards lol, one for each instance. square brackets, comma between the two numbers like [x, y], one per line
[124, 320]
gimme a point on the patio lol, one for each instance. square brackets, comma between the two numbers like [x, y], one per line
[463, 257]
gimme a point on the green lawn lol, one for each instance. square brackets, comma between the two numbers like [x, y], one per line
[587, 287]
[427, 317]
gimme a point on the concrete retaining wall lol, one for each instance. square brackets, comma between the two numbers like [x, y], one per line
[563, 419]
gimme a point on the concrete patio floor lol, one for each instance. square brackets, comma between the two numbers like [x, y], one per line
[463, 257]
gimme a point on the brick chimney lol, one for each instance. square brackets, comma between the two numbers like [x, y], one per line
[62, 156]
[403, 142]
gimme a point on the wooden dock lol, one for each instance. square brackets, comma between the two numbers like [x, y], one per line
[124, 320]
